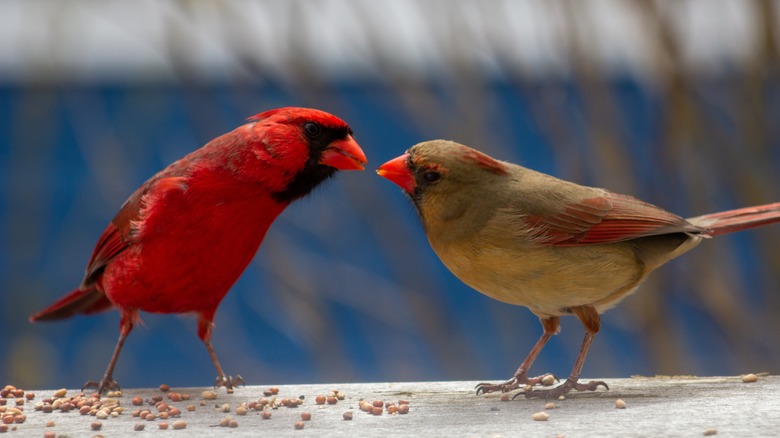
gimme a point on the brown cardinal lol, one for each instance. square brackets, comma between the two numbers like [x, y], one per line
[184, 237]
[558, 248]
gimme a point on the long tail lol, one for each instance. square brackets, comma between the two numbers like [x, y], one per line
[736, 220]
[78, 301]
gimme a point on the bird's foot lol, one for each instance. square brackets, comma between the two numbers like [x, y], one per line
[229, 382]
[515, 382]
[563, 389]
[106, 384]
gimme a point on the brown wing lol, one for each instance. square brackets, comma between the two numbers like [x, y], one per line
[605, 219]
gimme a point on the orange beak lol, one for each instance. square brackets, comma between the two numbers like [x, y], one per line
[344, 155]
[397, 171]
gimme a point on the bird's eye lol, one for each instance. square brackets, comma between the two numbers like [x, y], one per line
[312, 129]
[431, 176]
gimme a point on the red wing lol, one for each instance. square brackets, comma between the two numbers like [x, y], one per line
[605, 219]
[118, 234]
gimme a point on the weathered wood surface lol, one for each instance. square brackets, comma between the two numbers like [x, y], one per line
[655, 407]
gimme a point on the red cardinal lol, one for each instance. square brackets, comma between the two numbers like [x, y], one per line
[185, 236]
[558, 248]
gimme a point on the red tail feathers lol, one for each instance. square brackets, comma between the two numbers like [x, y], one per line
[736, 220]
[78, 301]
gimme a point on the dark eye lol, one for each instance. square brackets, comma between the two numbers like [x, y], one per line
[431, 176]
[312, 129]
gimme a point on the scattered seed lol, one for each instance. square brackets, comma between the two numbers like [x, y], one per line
[403, 409]
[101, 415]
[164, 415]
[137, 401]
[305, 416]
[163, 425]
[225, 408]
[224, 422]
[241, 410]
[179, 424]
[711, 431]
[403, 402]
[150, 417]
[96, 425]
[85, 410]
[549, 405]
[165, 388]
[185, 396]
[392, 409]
[233, 424]
[332, 400]
[266, 414]
[376, 410]
[320, 399]
[749, 378]
[139, 427]
[3, 428]
[299, 425]
[49, 435]
[620, 404]
[174, 396]
[548, 380]
[191, 407]
[175, 412]
[347, 415]
[541, 416]
[504, 397]
[274, 390]
[30, 395]
[157, 399]
[378, 403]
[60, 392]
[161, 407]
[50, 423]
[561, 397]
[209, 395]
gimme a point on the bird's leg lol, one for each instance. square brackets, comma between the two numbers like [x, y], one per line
[107, 383]
[551, 327]
[591, 321]
[204, 333]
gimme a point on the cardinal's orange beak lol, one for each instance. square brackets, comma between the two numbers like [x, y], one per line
[344, 155]
[397, 171]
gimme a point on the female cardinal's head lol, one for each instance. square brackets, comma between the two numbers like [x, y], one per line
[443, 177]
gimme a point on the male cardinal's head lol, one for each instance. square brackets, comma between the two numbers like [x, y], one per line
[436, 174]
[311, 144]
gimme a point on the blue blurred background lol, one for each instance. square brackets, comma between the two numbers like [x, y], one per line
[676, 102]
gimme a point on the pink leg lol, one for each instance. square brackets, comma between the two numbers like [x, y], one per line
[205, 325]
[551, 326]
[107, 383]
[591, 322]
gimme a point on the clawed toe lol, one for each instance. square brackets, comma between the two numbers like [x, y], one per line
[228, 382]
[515, 382]
[563, 389]
[509, 385]
[104, 385]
